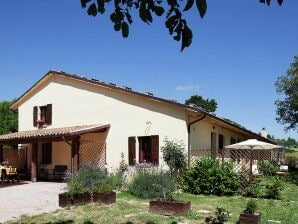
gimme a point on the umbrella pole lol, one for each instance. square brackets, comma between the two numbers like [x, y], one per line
[250, 168]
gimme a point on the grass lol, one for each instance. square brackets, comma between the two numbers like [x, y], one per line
[130, 209]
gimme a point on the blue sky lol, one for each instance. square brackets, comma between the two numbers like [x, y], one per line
[239, 49]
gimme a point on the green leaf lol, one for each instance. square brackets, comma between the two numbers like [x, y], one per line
[125, 29]
[101, 6]
[92, 10]
[202, 7]
[280, 2]
[186, 37]
[128, 17]
[158, 10]
[188, 5]
[117, 26]
[84, 3]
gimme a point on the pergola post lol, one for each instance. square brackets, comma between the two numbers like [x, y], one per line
[75, 148]
[1, 153]
[34, 162]
[250, 167]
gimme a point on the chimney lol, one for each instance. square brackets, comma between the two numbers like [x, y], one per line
[264, 133]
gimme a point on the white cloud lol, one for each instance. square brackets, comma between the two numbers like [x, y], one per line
[189, 88]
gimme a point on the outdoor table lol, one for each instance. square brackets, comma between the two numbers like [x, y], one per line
[6, 172]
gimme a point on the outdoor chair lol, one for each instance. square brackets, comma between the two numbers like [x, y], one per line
[59, 172]
[12, 174]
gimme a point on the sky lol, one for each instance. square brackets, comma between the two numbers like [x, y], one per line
[239, 49]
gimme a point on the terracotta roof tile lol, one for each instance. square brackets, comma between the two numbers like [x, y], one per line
[52, 132]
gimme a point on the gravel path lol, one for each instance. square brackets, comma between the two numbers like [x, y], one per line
[28, 199]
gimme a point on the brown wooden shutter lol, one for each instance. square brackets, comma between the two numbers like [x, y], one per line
[35, 111]
[131, 150]
[155, 149]
[49, 114]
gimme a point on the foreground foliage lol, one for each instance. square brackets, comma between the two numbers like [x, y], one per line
[123, 12]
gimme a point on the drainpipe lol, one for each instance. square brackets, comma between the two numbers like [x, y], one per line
[188, 130]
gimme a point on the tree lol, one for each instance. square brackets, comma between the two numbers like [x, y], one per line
[287, 107]
[289, 143]
[175, 10]
[8, 118]
[206, 104]
[174, 156]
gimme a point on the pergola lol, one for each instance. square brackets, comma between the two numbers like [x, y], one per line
[70, 135]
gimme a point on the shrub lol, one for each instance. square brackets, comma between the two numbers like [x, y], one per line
[174, 156]
[209, 176]
[152, 184]
[251, 207]
[87, 179]
[222, 215]
[105, 188]
[74, 184]
[92, 177]
[273, 190]
[253, 191]
[268, 168]
[117, 180]
[292, 162]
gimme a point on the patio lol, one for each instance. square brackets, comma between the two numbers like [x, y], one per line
[28, 199]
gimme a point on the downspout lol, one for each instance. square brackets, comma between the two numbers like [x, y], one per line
[188, 130]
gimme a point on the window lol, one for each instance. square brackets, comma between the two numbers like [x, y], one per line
[220, 141]
[148, 149]
[46, 153]
[42, 115]
[233, 141]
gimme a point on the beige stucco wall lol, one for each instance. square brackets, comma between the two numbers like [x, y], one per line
[201, 135]
[76, 103]
[61, 155]
[15, 157]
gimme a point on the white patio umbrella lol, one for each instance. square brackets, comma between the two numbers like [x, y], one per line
[253, 144]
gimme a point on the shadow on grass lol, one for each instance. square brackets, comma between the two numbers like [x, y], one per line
[293, 177]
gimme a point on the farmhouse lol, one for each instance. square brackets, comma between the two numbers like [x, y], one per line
[69, 121]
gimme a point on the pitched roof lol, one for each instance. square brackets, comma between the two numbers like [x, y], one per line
[197, 110]
[51, 133]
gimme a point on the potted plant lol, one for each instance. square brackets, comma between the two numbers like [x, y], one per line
[249, 215]
[159, 187]
[76, 194]
[104, 194]
[169, 206]
[90, 184]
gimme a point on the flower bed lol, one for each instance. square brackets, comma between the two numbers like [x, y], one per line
[164, 207]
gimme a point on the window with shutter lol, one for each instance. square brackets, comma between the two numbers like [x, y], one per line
[149, 149]
[47, 153]
[35, 113]
[155, 149]
[48, 118]
[131, 151]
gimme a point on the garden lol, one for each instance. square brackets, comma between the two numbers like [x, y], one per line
[208, 192]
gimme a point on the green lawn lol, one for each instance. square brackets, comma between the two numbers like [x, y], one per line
[130, 209]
